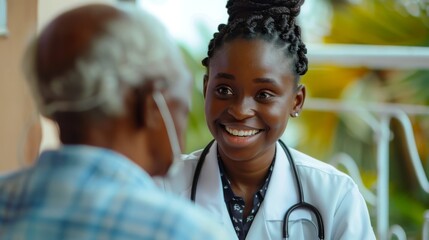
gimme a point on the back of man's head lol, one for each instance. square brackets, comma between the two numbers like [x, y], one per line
[110, 77]
[86, 57]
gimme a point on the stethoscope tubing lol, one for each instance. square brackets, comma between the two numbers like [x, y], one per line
[301, 204]
[198, 168]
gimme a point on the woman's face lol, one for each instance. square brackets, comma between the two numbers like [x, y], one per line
[250, 93]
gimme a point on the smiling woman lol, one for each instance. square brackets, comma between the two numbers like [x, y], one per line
[247, 178]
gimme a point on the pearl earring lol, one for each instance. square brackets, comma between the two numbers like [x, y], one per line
[295, 114]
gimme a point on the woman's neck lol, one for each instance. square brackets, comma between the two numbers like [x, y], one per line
[248, 174]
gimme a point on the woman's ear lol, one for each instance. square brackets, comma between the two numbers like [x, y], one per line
[299, 99]
[206, 79]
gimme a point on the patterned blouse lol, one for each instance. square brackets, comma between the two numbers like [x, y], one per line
[235, 204]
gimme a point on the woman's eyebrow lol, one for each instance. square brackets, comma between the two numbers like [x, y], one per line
[256, 80]
[266, 80]
[225, 76]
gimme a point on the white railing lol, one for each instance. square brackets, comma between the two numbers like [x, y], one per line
[372, 56]
[378, 117]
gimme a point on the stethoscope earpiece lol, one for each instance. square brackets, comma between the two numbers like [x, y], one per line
[169, 124]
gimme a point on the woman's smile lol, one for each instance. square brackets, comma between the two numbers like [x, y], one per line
[239, 136]
[241, 133]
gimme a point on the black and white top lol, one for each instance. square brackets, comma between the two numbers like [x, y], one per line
[235, 204]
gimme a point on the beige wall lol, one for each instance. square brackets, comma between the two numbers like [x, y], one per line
[17, 118]
[50, 8]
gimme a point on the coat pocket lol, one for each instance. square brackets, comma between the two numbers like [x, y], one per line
[301, 225]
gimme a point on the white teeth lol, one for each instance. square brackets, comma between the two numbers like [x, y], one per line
[241, 133]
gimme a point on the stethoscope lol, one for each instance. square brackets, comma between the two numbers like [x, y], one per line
[300, 205]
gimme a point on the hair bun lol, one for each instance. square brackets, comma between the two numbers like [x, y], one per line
[243, 8]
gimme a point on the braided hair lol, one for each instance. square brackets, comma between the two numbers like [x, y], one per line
[271, 20]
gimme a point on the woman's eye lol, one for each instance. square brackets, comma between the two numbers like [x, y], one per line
[264, 95]
[224, 91]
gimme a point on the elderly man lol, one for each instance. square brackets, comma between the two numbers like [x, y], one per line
[110, 78]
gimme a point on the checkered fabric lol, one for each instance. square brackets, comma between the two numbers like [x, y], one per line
[82, 192]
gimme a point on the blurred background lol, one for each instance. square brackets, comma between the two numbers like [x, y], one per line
[367, 109]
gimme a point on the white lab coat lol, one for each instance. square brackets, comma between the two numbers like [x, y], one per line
[333, 193]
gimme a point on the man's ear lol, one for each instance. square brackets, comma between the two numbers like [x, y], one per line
[206, 79]
[299, 99]
[150, 111]
[139, 108]
[133, 105]
[144, 105]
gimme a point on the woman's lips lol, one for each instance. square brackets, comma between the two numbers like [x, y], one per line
[241, 132]
[239, 136]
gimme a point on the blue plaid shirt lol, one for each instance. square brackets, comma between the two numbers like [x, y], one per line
[82, 192]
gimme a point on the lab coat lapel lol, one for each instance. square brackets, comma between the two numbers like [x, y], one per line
[281, 192]
[212, 199]
[279, 197]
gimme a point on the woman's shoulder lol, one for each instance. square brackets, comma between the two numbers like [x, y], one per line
[318, 176]
[308, 164]
[180, 174]
[191, 157]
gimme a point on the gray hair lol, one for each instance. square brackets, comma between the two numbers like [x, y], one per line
[132, 51]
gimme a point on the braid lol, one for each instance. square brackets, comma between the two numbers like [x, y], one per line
[271, 20]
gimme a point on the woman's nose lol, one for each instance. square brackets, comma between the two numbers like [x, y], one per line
[242, 109]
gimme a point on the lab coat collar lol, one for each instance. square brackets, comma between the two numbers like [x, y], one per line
[210, 183]
[278, 199]
[281, 193]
